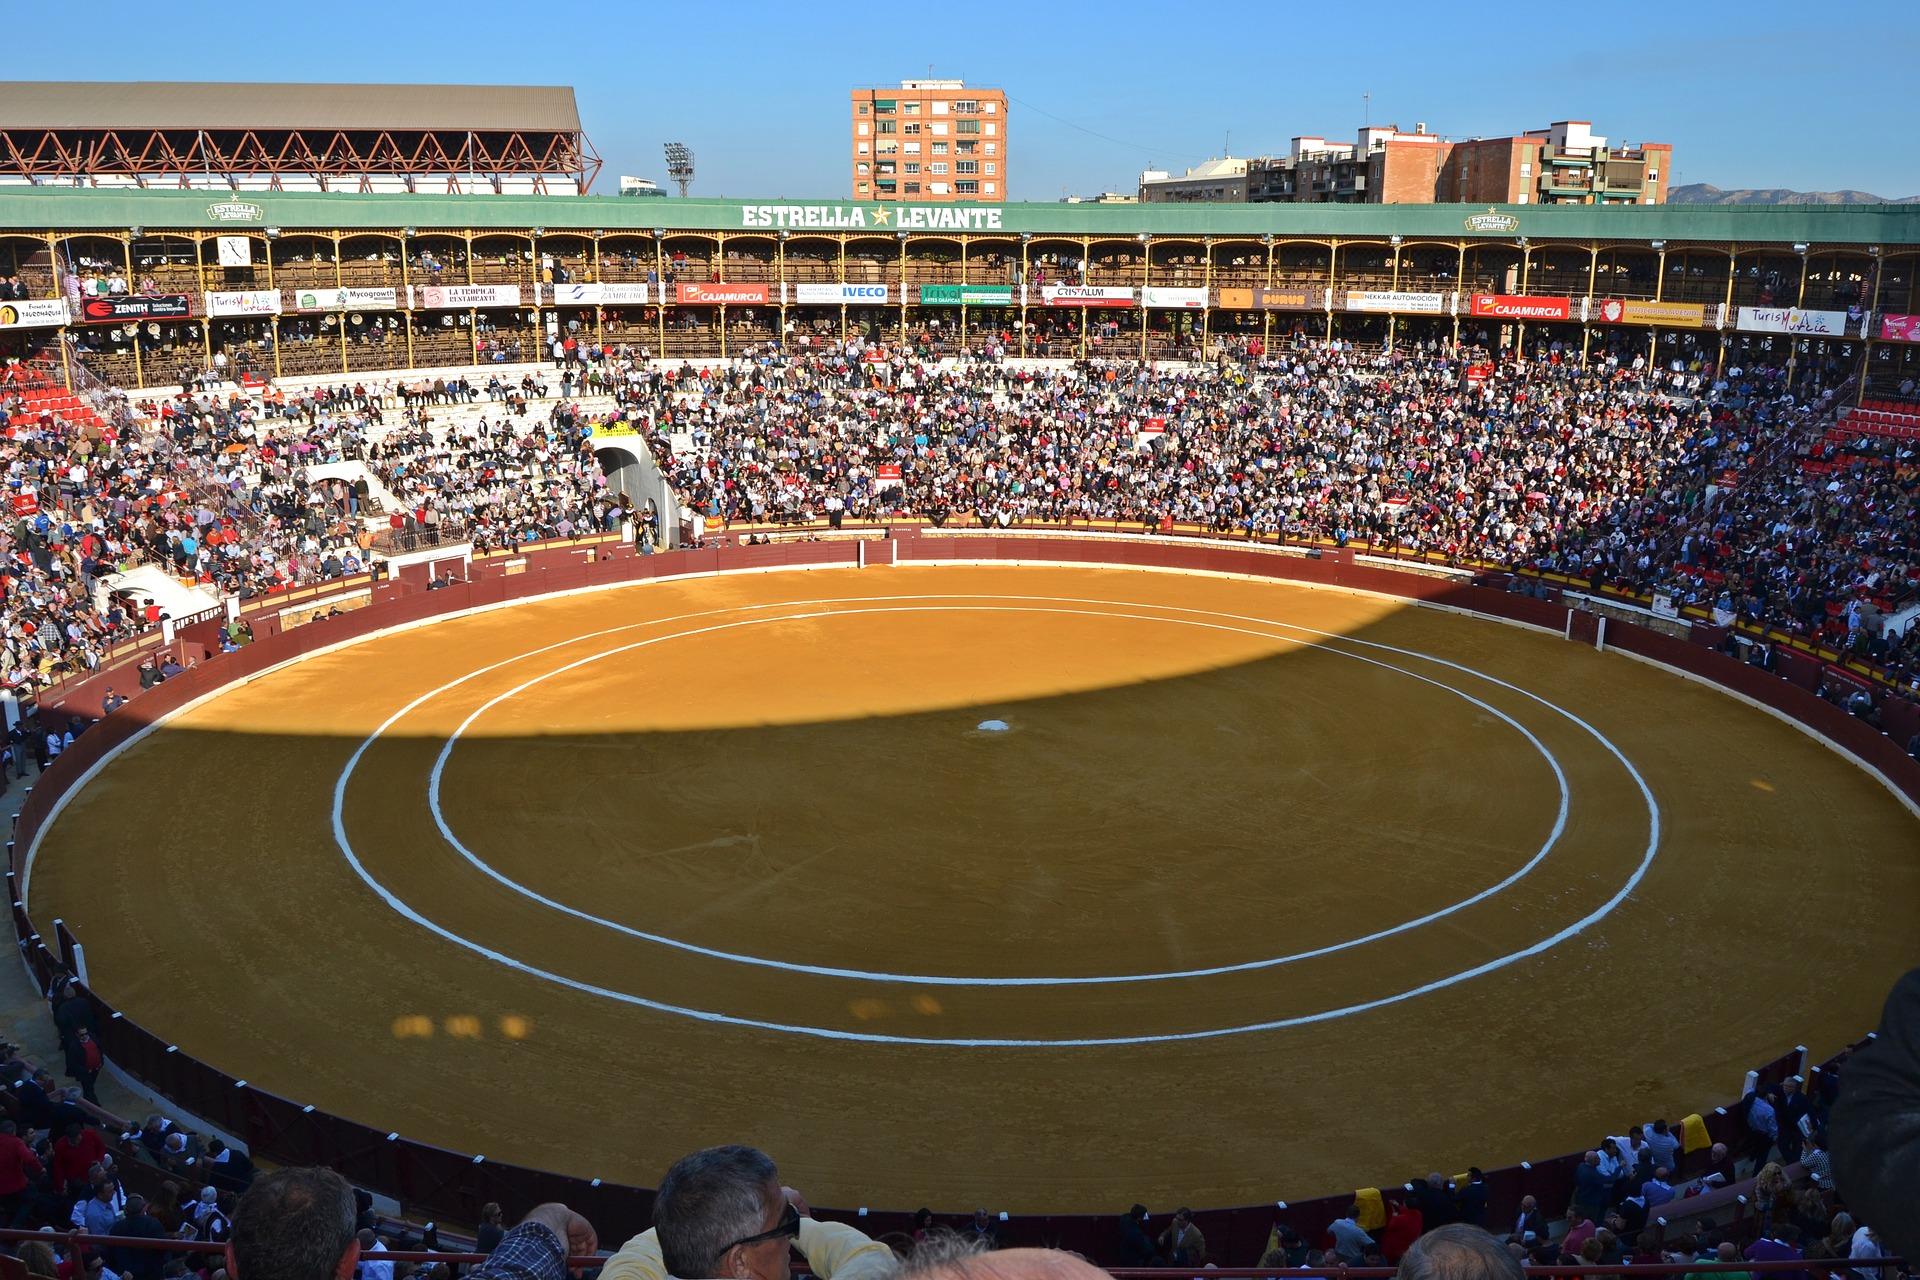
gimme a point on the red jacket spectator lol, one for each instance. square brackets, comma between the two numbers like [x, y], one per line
[17, 1162]
[75, 1153]
[1403, 1228]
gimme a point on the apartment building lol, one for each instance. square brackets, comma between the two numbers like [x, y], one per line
[1565, 163]
[929, 140]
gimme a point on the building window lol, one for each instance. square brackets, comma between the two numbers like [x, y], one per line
[863, 108]
[863, 169]
[886, 168]
[911, 109]
[989, 188]
[889, 126]
[889, 148]
[883, 106]
[968, 126]
[938, 166]
[861, 149]
[990, 167]
[991, 128]
[912, 149]
[913, 188]
[940, 106]
[865, 187]
[993, 148]
[1526, 169]
[939, 148]
[940, 129]
[967, 166]
[965, 148]
[913, 166]
[967, 107]
[885, 185]
[912, 128]
[993, 108]
[937, 188]
[967, 188]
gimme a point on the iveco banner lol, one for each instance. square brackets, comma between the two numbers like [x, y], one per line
[835, 294]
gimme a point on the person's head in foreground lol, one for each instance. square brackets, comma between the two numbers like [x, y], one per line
[295, 1224]
[1458, 1252]
[720, 1214]
[948, 1256]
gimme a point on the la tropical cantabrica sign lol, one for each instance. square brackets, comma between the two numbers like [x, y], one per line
[857, 217]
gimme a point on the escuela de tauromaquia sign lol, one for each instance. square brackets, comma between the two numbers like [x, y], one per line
[862, 217]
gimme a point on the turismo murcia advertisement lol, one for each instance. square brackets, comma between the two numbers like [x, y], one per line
[246, 302]
[1819, 324]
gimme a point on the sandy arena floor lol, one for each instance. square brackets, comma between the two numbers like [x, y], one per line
[1265, 892]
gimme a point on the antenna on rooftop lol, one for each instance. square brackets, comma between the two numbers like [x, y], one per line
[680, 165]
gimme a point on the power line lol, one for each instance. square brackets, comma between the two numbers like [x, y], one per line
[1095, 133]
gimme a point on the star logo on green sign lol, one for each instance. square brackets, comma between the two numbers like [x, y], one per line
[881, 215]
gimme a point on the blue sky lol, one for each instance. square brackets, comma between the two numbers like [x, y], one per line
[1814, 96]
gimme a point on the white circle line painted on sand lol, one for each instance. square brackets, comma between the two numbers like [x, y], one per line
[870, 1037]
[955, 980]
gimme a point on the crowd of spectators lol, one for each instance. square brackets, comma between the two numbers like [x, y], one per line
[1718, 487]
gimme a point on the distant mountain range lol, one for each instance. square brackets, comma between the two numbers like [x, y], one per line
[1707, 193]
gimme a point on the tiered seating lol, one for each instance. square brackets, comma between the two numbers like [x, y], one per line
[1895, 419]
[39, 394]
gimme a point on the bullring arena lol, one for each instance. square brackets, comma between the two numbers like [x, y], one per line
[598, 877]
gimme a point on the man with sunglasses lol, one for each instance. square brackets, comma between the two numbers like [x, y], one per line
[721, 1214]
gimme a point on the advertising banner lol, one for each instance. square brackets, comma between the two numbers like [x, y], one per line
[1508, 306]
[1824, 324]
[1084, 295]
[164, 306]
[37, 313]
[966, 295]
[1273, 299]
[435, 297]
[1687, 315]
[346, 300]
[835, 294]
[1426, 304]
[1173, 299]
[729, 295]
[1900, 328]
[246, 302]
[588, 295]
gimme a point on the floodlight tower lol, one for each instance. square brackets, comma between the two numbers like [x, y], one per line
[680, 165]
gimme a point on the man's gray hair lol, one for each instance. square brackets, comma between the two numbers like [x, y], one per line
[942, 1251]
[1456, 1251]
[707, 1201]
[293, 1224]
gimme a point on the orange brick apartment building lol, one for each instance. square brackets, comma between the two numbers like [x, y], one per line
[1565, 163]
[929, 140]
